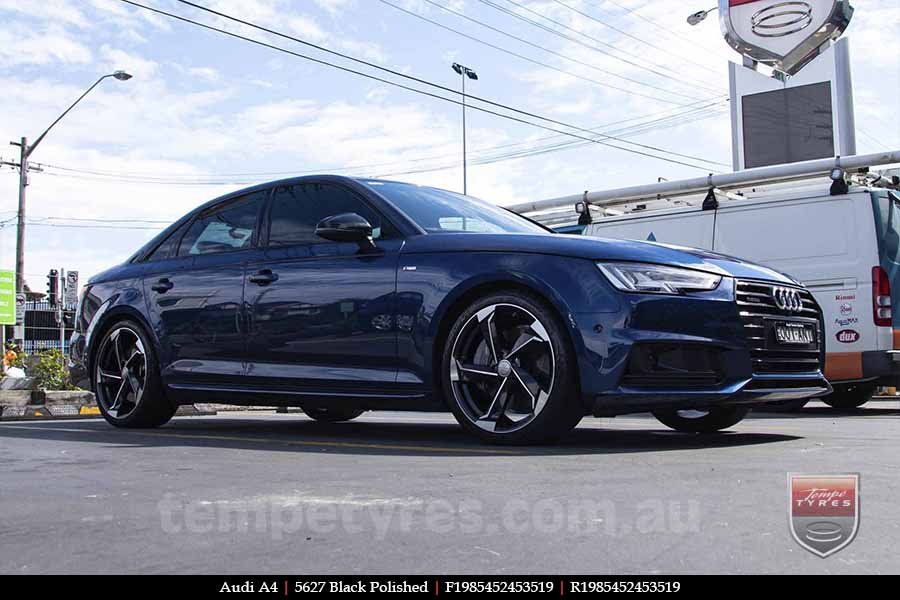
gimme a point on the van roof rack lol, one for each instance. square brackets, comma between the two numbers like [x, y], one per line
[671, 194]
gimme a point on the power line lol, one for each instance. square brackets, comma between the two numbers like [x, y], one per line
[558, 33]
[545, 49]
[419, 91]
[175, 177]
[668, 30]
[623, 32]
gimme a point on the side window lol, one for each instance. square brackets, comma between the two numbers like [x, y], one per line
[297, 209]
[224, 228]
[169, 247]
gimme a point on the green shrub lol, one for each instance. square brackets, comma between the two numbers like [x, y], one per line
[51, 372]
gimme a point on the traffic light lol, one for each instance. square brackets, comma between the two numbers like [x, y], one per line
[53, 286]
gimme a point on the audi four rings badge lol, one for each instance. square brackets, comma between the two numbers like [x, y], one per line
[787, 299]
[783, 34]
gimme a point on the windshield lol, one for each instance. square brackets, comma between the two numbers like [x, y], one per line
[440, 211]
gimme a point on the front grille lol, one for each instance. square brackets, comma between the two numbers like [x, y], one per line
[759, 313]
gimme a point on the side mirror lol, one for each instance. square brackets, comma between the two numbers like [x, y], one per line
[346, 227]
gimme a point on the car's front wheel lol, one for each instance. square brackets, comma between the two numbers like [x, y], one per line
[332, 415]
[702, 421]
[126, 379]
[509, 372]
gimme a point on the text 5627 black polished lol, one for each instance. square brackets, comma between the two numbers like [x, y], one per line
[340, 296]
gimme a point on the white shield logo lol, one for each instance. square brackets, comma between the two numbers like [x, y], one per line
[824, 511]
[783, 34]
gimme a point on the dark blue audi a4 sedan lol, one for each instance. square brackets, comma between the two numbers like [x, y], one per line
[343, 295]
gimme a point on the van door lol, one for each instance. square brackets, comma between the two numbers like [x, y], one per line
[887, 228]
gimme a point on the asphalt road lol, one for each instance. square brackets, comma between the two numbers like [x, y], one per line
[410, 493]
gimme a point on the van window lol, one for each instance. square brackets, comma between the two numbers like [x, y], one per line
[169, 246]
[887, 224]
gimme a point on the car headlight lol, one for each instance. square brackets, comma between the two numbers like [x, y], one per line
[657, 279]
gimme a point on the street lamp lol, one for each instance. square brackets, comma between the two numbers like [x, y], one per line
[26, 152]
[464, 73]
[700, 16]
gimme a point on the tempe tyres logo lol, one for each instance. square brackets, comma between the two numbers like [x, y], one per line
[824, 511]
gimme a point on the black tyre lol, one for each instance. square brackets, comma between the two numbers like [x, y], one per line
[702, 421]
[785, 406]
[849, 396]
[508, 371]
[332, 415]
[126, 379]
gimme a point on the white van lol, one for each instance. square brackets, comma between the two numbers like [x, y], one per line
[844, 248]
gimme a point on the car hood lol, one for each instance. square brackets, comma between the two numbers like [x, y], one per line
[578, 246]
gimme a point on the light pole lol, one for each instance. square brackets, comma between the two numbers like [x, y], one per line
[25, 154]
[464, 73]
[700, 16]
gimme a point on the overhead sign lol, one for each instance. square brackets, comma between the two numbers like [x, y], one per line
[783, 34]
[7, 297]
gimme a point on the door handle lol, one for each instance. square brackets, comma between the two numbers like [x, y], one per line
[264, 277]
[162, 286]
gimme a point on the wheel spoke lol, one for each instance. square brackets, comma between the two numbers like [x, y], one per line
[117, 401]
[108, 377]
[521, 344]
[497, 408]
[486, 325]
[471, 373]
[526, 382]
[117, 346]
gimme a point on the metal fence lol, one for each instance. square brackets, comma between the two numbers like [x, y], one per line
[46, 327]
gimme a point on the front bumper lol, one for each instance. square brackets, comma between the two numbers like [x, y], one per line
[749, 366]
[759, 389]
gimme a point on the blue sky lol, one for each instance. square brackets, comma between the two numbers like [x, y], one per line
[206, 114]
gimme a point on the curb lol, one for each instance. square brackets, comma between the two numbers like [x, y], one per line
[24, 405]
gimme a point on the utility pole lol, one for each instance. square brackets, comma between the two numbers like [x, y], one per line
[464, 73]
[25, 153]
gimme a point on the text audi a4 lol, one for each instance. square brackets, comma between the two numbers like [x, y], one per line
[341, 295]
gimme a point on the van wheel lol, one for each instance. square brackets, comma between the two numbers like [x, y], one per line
[702, 421]
[332, 415]
[508, 371]
[126, 379]
[850, 396]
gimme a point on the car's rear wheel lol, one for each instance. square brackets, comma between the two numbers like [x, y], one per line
[509, 372]
[702, 421]
[126, 379]
[332, 415]
[850, 396]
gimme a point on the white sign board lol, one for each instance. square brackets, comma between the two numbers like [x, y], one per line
[20, 309]
[71, 296]
[783, 34]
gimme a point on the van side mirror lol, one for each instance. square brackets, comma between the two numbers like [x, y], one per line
[346, 227]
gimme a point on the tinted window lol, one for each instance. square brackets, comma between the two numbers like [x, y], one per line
[169, 246]
[224, 228]
[297, 209]
[440, 211]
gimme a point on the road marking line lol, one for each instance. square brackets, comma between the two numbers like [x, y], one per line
[235, 438]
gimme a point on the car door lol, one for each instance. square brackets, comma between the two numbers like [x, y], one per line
[322, 313]
[195, 294]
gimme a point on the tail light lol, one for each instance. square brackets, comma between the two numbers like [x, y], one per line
[881, 298]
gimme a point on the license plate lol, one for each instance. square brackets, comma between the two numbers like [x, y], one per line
[794, 333]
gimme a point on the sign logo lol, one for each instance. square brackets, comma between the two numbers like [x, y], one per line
[847, 336]
[787, 299]
[783, 34]
[824, 511]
